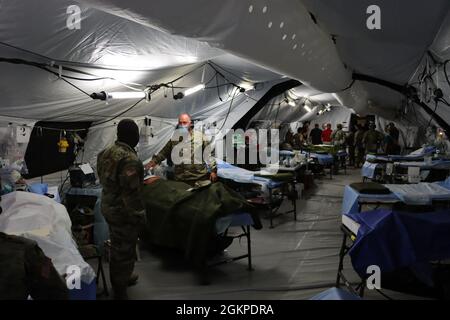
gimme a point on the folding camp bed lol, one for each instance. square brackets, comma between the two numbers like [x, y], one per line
[272, 187]
[436, 193]
[324, 160]
[394, 241]
[298, 169]
[422, 195]
[90, 197]
[224, 224]
[399, 171]
[339, 155]
[376, 167]
[434, 170]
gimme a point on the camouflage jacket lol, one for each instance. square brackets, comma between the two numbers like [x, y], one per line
[372, 140]
[189, 167]
[25, 270]
[338, 137]
[121, 175]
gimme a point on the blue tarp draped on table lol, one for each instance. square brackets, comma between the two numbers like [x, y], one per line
[368, 169]
[393, 240]
[352, 197]
[88, 291]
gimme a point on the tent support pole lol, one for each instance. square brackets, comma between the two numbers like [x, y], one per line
[272, 93]
[403, 89]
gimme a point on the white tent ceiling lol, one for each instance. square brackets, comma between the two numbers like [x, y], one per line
[137, 43]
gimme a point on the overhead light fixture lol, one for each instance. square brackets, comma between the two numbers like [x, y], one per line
[194, 89]
[246, 86]
[121, 95]
[292, 103]
[126, 95]
[307, 108]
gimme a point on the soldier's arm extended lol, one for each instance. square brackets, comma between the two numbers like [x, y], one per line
[210, 158]
[163, 154]
[43, 280]
[364, 138]
[131, 175]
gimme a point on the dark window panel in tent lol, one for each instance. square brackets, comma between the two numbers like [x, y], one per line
[42, 156]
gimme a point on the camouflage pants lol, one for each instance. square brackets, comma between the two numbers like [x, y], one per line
[123, 254]
[359, 156]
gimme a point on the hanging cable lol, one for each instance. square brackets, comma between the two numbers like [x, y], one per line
[229, 109]
[217, 84]
[228, 71]
[349, 86]
[434, 112]
[445, 72]
[120, 114]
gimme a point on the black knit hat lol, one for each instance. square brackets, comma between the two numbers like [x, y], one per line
[128, 132]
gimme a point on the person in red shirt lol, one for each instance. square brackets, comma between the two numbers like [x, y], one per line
[326, 134]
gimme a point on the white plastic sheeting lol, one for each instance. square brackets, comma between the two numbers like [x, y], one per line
[12, 147]
[47, 222]
[409, 134]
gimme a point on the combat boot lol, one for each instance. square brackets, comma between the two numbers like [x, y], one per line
[133, 280]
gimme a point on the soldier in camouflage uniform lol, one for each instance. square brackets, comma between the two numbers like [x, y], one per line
[193, 168]
[338, 136]
[121, 175]
[372, 139]
[359, 146]
[26, 271]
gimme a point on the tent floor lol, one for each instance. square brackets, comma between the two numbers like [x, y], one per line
[295, 260]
